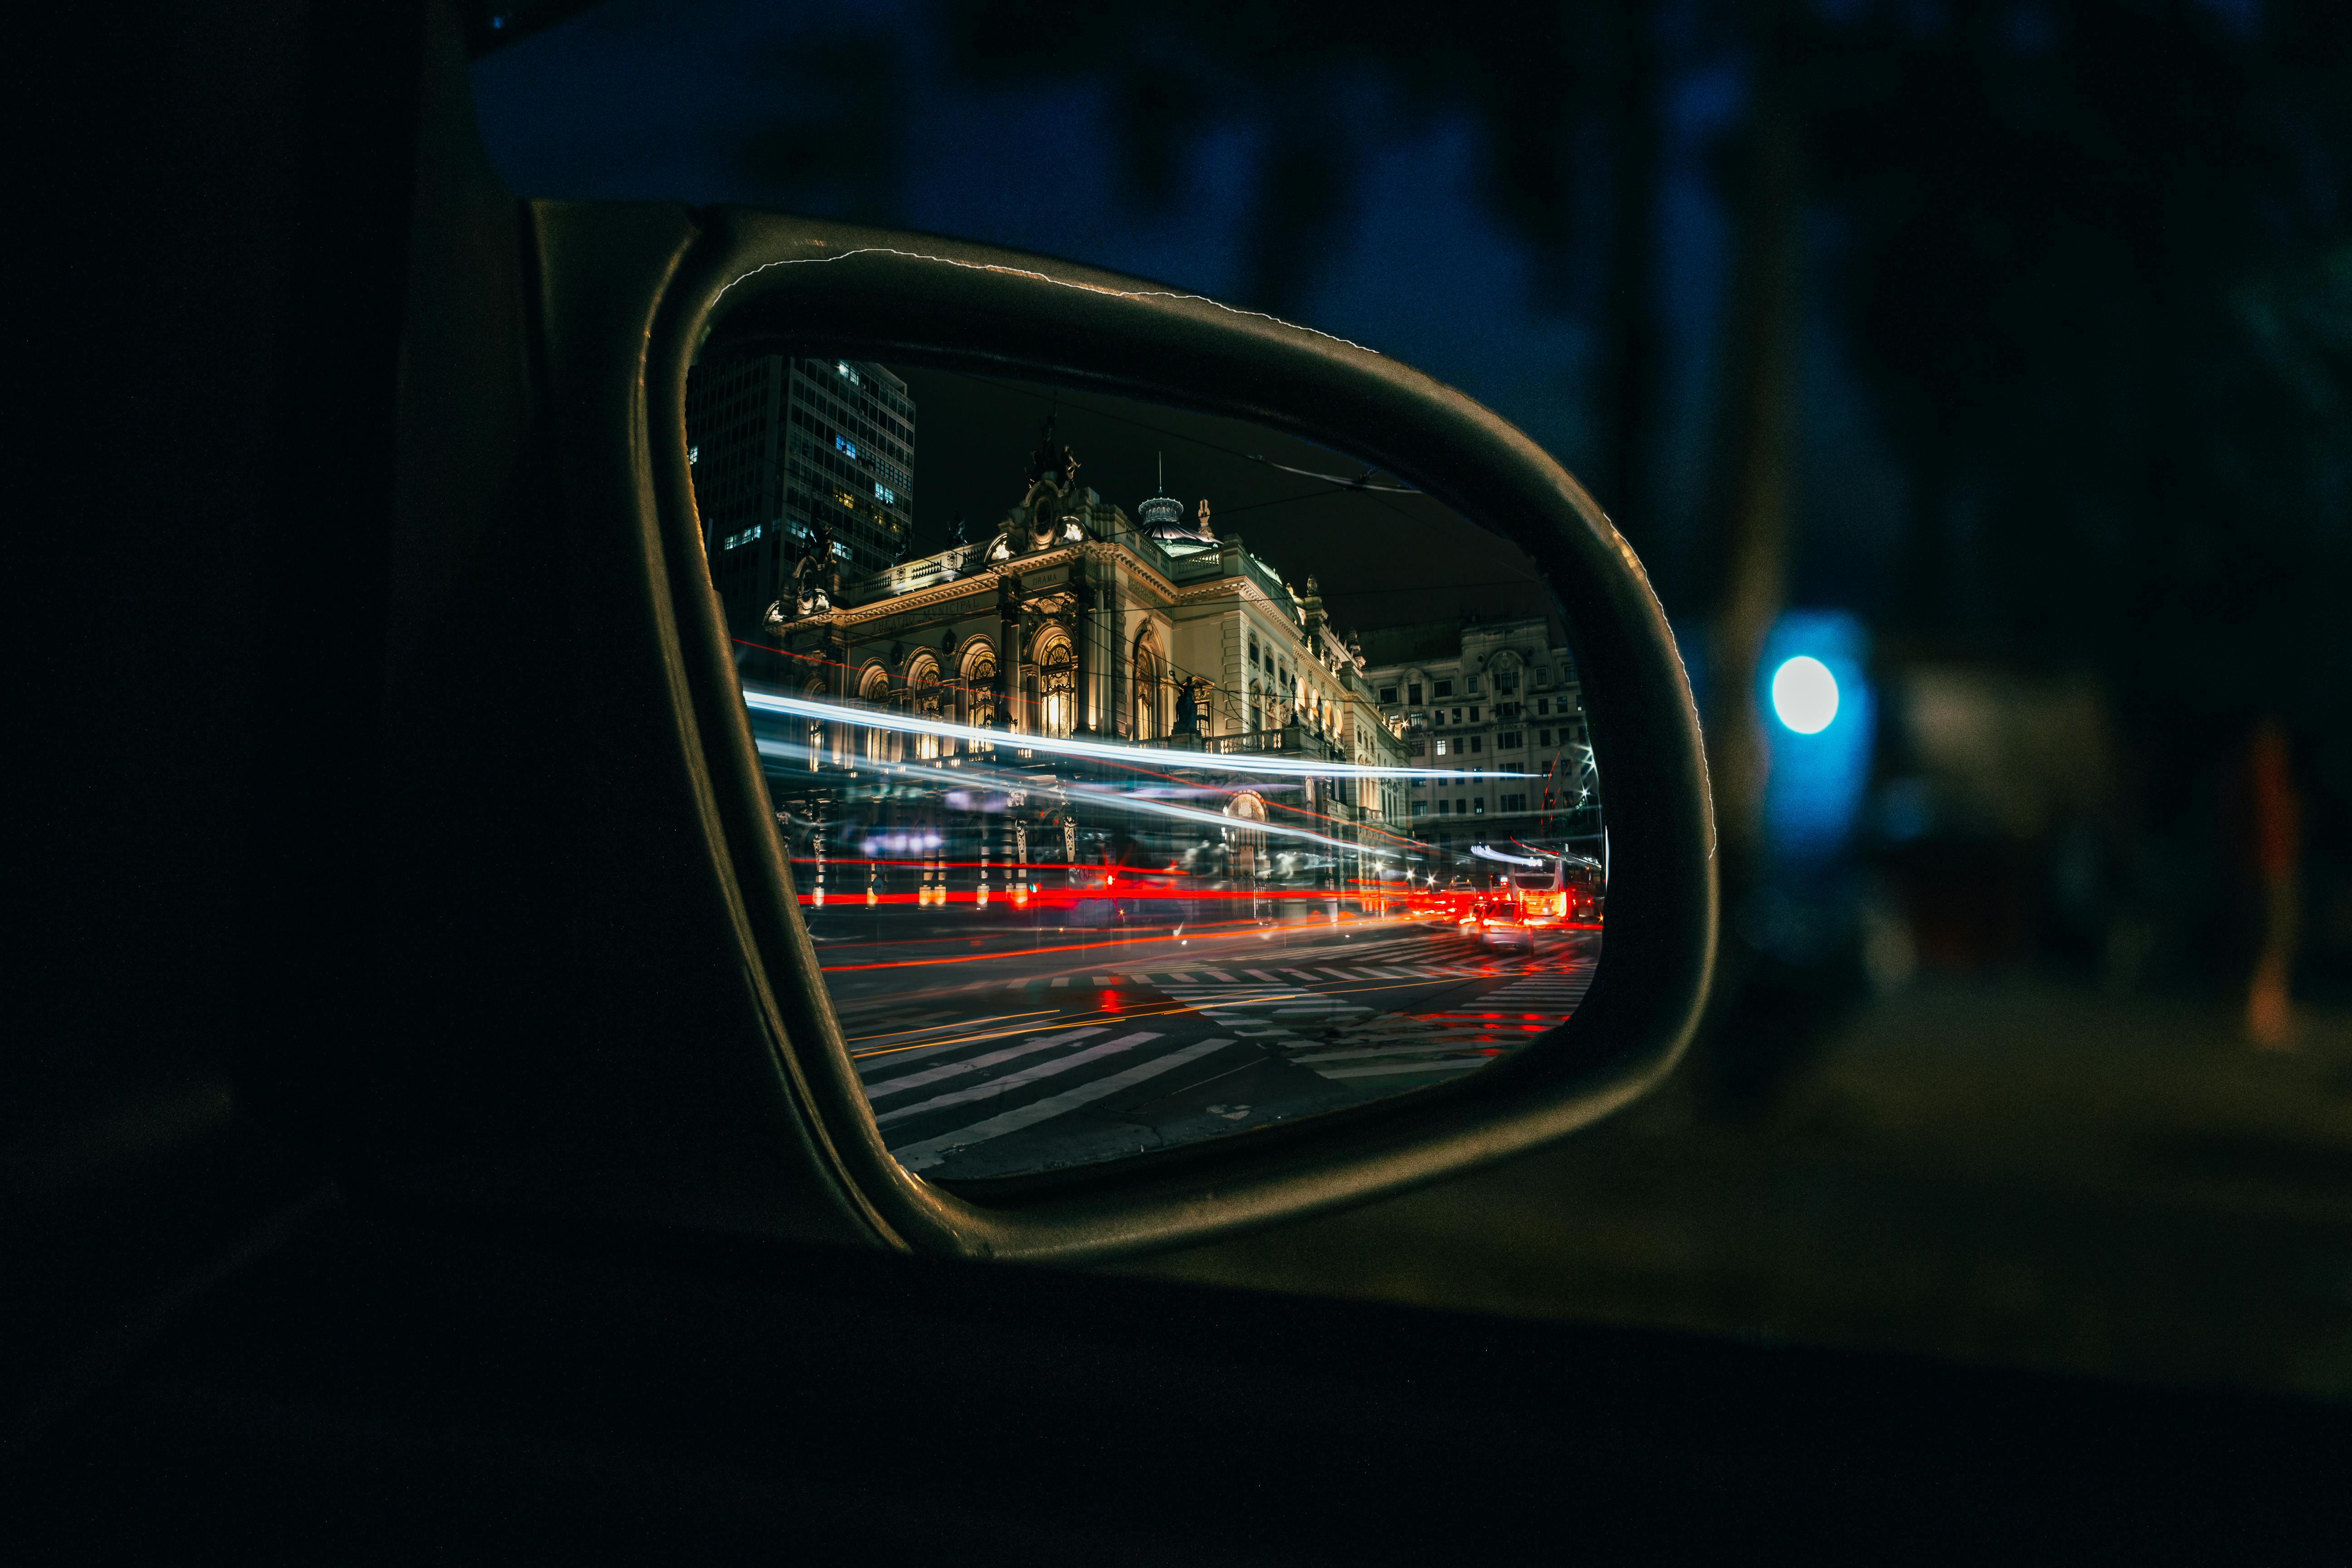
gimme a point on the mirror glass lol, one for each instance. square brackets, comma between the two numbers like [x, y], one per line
[1147, 776]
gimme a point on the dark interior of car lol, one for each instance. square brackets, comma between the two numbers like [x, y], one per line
[373, 1193]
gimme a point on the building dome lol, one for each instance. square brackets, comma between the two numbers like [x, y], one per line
[1161, 518]
[1162, 514]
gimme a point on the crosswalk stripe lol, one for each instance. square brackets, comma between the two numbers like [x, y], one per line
[1367, 1053]
[1381, 1069]
[927, 1153]
[1010, 1081]
[973, 1064]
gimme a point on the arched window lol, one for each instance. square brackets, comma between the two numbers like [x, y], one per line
[874, 691]
[923, 702]
[1257, 705]
[977, 699]
[1057, 684]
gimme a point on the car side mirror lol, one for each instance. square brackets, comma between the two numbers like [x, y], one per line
[624, 762]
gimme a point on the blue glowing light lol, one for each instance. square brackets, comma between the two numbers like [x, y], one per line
[1805, 695]
[1816, 685]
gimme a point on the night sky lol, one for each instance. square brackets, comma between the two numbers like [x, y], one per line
[1382, 560]
[633, 100]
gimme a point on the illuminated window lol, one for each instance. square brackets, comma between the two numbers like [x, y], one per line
[923, 702]
[979, 697]
[1058, 688]
[886, 497]
[880, 746]
[844, 445]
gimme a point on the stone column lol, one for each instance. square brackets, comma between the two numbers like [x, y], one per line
[1119, 686]
[1082, 639]
[1008, 648]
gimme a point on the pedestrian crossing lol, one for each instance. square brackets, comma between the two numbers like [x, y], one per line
[924, 1154]
[947, 1079]
[1455, 1039]
[1268, 1014]
[1318, 974]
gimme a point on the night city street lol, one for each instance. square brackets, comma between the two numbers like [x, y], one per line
[1039, 1047]
[1112, 834]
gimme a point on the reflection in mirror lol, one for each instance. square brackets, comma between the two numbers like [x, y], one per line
[1148, 777]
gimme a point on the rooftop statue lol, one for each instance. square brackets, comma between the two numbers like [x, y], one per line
[816, 575]
[815, 581]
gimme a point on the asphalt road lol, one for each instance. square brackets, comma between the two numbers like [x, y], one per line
[1005, 1048]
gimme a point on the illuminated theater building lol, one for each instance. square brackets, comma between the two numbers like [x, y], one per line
[1180, 650]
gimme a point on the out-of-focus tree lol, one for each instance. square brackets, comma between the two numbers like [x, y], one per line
[1565, 98]
[1750, 517]
[2100, 276]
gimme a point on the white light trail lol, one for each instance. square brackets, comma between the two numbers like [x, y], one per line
[1103, 751]
[1004, 780]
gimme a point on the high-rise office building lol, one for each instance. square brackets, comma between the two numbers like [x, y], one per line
[781, 444]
